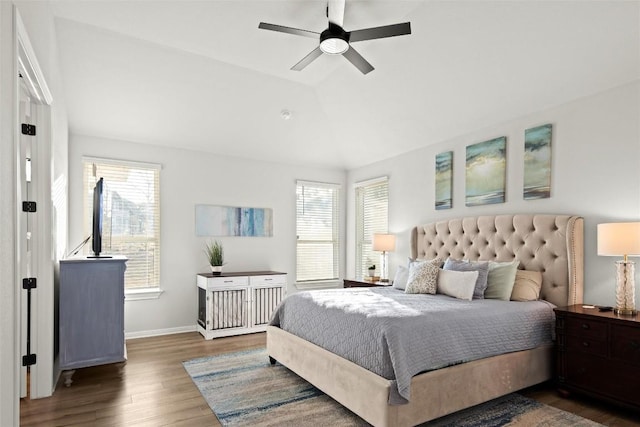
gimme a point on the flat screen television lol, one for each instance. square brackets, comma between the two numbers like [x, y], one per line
[96, 231]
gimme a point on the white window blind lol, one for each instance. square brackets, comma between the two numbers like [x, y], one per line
[131, 216]
[318, 232]
[372, 216]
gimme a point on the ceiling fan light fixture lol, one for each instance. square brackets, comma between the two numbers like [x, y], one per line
[334, 40]
[334, 46]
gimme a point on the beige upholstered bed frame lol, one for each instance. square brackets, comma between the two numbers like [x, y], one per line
[552, 244]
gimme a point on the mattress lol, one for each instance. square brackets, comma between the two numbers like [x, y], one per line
[398, 335]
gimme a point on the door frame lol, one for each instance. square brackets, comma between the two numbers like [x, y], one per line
[16, 53]
[42, 298]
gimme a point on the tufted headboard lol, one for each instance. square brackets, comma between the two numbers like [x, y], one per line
[551, 244]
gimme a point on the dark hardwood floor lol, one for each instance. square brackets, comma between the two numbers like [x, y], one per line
[153, 389]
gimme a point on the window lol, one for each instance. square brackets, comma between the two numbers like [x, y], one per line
[131, 216]
[372, 216]
[318, 232]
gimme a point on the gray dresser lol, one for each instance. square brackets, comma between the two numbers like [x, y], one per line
[91, 313]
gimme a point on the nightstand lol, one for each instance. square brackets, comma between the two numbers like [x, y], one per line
[361, 283]
[598, 353]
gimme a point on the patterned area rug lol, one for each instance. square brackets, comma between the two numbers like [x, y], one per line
[243, 389]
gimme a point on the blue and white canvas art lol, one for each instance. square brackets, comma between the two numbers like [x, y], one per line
[233, 221]
[444, 180]
[485, 172]
[537, 163]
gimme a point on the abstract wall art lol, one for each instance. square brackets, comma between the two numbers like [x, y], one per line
[444, 180]
[485, 172]
[537, 162]
[232, 221]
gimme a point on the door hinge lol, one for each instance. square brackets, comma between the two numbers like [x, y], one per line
[28, 206]
[29, 283]
[28, 129]
[29, 359]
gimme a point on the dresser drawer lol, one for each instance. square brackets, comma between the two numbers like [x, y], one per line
[586, 328]
[227, 281]
[586, 345]
[625, 344]
[275, 279]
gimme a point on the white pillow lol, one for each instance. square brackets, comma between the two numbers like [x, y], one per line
[457, 284]
[400, 280]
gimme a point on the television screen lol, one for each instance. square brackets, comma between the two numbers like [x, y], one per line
[97, 218]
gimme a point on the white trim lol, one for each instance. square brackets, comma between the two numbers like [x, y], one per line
[27, 58]
[318, 184]
[320, 284]
[142, 293]
[159, 332]
[118, 162]
[371, 181]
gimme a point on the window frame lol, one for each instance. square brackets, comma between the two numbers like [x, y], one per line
[336, 235]
[141, 292]
[361, 240]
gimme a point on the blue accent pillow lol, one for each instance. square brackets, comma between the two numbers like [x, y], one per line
[482, 267]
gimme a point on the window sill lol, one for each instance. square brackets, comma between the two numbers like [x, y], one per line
[140, 294]
[329, 284]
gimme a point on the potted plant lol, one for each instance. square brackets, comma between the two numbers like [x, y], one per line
[372, 270]
[215, 255]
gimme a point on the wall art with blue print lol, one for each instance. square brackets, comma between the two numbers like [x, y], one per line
[537, 163]
[233, 221]
[485, 172]
[444, 180]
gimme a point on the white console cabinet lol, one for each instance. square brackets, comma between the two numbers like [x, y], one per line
[238, 303]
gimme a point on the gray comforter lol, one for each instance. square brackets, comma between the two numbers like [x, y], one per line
[398, 335]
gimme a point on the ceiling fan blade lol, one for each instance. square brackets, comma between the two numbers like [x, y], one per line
[356, 59]
[312, 56]
[380, 32]
[336, 12]
[288, 30]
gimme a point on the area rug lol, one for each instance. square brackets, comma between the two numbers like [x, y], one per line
[244, 389]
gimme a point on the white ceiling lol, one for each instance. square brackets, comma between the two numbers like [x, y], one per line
[201, 75]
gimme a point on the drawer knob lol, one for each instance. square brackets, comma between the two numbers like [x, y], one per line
[585, 344]
[585, 326]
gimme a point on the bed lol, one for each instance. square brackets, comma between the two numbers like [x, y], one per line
[551, 244]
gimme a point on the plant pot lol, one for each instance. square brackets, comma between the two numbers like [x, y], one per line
[372, 273]
[216, 270]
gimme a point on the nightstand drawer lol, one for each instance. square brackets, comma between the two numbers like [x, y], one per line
[625, 344]
[585, 327]
[587, 371]
[594, 373]
[586, 345]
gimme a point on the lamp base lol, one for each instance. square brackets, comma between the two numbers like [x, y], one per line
[625, 288]
[625, 311]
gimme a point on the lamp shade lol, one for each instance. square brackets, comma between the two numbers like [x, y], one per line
[384, 242]
[619, 238]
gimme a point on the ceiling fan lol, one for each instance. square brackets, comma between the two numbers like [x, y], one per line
[336, 41]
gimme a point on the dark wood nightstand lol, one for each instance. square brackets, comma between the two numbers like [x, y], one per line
[598, 353]
[358, 283]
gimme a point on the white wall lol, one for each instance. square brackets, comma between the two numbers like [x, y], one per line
[595, 174]
[189, 178]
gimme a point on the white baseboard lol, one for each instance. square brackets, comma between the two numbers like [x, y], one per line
[157, 332]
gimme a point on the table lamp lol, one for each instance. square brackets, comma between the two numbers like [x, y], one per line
[622, 239]
[384, 243]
